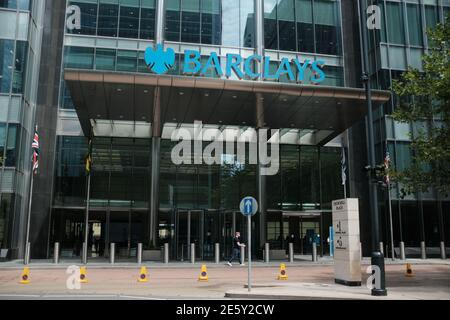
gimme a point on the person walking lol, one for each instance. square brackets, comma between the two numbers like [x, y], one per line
[237, 245]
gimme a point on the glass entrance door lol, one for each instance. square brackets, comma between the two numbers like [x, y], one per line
[190, 229]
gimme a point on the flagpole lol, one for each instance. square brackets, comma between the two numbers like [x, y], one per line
[86, 223]
[26, 258]
[390, 219]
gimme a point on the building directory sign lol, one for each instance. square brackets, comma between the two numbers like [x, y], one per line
[160, 61]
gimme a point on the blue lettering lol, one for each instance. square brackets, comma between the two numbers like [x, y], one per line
[301, 69]
[249, 64]
[285, 68]
[318, 73]
[267, 74]
[213, 62]
[192, 57]
[234, 65]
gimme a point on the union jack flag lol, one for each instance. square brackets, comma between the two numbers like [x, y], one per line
[35, 147]
[387, 163]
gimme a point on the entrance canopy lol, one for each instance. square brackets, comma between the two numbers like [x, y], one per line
[121, 104]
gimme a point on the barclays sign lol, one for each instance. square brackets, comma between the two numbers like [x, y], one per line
[160, 61]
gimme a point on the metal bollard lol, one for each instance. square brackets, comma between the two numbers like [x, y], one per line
[166, 253]
[182, 253]
[217, 253]
[139, 253]
[443, 253]
[314, 252]
[84, 259]
[291, 252]
[193, 253]
[242, 255]
[27, 254]
[381, 248]
[56, 253]
[423, 250]
[267, 253]
[402, 250]
[112, 252]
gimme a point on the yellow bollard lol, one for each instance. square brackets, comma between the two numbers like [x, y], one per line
[83, 275]
[283, 274]
[409, 271]
[25, 278]
[203, 274]
[143, 275]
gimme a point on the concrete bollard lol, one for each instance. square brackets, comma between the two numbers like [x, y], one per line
[381, 248]
[267, 253]
[242, 255]
[217, 253]
[112, 253]
[192, 253]
[423, 250]
[314, 252]
[139, 253]
[402, 251]
[291, 252]
[443, 253]
[166, 253]
[56, 253]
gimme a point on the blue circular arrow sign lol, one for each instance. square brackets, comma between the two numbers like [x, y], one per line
[248, 206]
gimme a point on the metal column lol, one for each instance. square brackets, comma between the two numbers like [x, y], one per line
[156, 140]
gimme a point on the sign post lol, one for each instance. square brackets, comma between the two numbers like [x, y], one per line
[249, 207]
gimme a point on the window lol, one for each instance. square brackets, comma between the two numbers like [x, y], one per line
[108, 15]
[126, 60]
[88, 17]
[105, 59]
[173, 21]
[395, 26]
[79, 58]
[414, 25]
[286, 25]
[129, 19]
[305, 31]
[211, 22]
[325, 19]
[270, 24]
[11, 146]
[147, 19]
[190, 21]
[6, 64]
[20, 67]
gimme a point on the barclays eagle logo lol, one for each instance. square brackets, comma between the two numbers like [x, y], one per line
[158, 60]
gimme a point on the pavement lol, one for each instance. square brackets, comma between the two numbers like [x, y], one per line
[306, 280]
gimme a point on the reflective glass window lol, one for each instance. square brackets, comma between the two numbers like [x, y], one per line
[190, 21]
[105, 59]
[414, 25]
[173, 20]
[126, 60]
[2, 143]
[12, 4]
[211, 22]
[20, 67]
[147, 19]
[270, 25]
[326, 22]
[129, 19]
[79, 58]
[395, 23]
[11, 145]
[286, 25]
[108, 15]
[305, 28]
[6, 64]
[88, 17]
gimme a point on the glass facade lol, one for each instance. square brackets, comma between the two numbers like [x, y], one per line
[400, 43]
[17, 86]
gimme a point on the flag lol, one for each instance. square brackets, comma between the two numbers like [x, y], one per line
[89, 158]
[344, 168]
[387, 163]
[35, 148]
